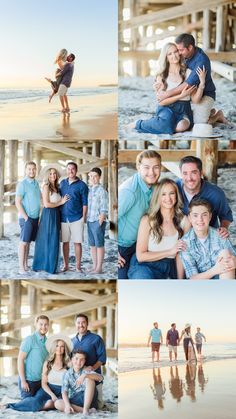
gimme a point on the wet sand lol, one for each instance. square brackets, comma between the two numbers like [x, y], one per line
[207, 390]
[91, 117]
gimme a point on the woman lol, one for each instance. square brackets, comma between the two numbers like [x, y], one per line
[47, 244]
[173, 114]
[188, 343]
[159, 236]
[60, 61]
[59, 347]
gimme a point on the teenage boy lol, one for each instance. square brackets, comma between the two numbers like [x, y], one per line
[28, 205]
[156, 336]
[198, 340]
[78, 388]
[96, 219]
[208, 256]
[73, 214]
[133, 202]
[31, 357]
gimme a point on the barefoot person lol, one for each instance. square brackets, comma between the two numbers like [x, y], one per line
[155, 336]
[198, 340]
[134, 199]
[73, 214]
[172, 341]
[60, 61]
[66, 75]
[207, 255]
[28, 205]
[188, 344]
[96, 219]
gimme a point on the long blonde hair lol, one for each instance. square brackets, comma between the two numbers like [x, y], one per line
[61, 56]
[52, 355]
[48, 183]
[155, 216]
[163, 65]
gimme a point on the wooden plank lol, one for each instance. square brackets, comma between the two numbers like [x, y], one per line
[67, 150]
[226, 156]
[13, 353]
[229, 57]
[172, 167]
[7, 340]
[225, 70]
[2, 170]
[129, 156]
[67, 311]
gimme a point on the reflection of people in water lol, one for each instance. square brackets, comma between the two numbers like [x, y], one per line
[158, 387]
[201, 378]
[190, 381]
[175, 384]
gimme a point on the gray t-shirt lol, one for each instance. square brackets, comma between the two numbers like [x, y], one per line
[198, 337]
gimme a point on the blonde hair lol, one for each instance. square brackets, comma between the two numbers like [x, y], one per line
[147, 154]
[52, 355]
[62, 55]
[163, 64]
[155, 217]
[47, 182]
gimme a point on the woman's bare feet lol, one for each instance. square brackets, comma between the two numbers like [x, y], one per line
[217, 116]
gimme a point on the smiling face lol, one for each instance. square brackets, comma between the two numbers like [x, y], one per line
[172, 55]
[185, 52]
[200, 218]
[168, 196]
[30, 171]
[191, 177]
[94, 178]
[81, 325]
[71, 171]
[78, 361]
[149, 170]
[60, 347]
[42, 326]
[52, 176]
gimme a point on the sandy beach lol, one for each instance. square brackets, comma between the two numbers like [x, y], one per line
[204, 390]
[92, 116]
[137, 101]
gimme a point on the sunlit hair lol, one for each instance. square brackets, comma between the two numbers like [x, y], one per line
[163, 64]
[47, 181]
[52, 355]
[147, 154]
[155, 216]
[62, 55]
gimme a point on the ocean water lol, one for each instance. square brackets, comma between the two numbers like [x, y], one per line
[133, 359]
[31, 95]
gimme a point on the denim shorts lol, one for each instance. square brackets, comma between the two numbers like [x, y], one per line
[96, 233]
[78, 399]
[29, 229]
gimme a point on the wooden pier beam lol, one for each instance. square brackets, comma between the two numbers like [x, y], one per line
[2, 172]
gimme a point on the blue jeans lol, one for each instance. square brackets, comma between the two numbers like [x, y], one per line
[36, 402]
[161, 269]
[33, 385]
[78, 399]
[126, 253]
[166, 118]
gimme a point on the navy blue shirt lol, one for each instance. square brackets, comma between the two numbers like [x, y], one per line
[67, 74]
[72, 210]
[94, 348]
[200, 59]
[213, 194]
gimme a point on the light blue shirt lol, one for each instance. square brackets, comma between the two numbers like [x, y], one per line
[156, 335]
[69, 383]
[133, 202]
[29, 191]
[97, 202]
[34, 346]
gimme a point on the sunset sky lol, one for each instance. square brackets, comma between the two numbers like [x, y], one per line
[207, 304]
[32, 33]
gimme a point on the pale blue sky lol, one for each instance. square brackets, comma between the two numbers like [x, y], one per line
[207, 304]
[33, 31]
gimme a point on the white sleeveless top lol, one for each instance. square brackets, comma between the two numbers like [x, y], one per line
[55, 376]
[166, 242]
[54, 197]
[173, 84]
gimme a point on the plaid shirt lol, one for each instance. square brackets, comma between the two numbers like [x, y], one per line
[69, 381]
[97, 202]
[195, 259]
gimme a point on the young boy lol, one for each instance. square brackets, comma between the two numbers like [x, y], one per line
[198, 339]
[97, 214]
[78, 387]
[208, 256]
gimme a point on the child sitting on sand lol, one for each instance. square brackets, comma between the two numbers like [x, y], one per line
[60, 60]
[78, 389]
[208, 256]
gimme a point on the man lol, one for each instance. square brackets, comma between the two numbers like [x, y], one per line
[94, 347]
[192, 186]
[133, 202]
[73, 214]
[157, 340]
[198, 340]
[208, 256]
[195, 57]
[66, 78]
[172, 341]
[28, 205]
[31, 357]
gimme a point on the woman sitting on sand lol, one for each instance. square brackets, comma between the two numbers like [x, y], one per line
[59, 347]
[159, 236]
[173, 114]
[60, 61]
[189, 350]
[47, 244]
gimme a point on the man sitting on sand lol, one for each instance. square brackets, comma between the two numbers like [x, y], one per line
[156, 337]
[198, 340]
[172, 341]
[208, 256]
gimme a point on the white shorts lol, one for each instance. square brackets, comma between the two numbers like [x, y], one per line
[172, 348]
[62, 90]
[73, 231]
[202, 110]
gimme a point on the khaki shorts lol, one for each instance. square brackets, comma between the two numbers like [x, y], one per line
[172, 348]
[202, 110]
[73, 231]
[62, 90]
